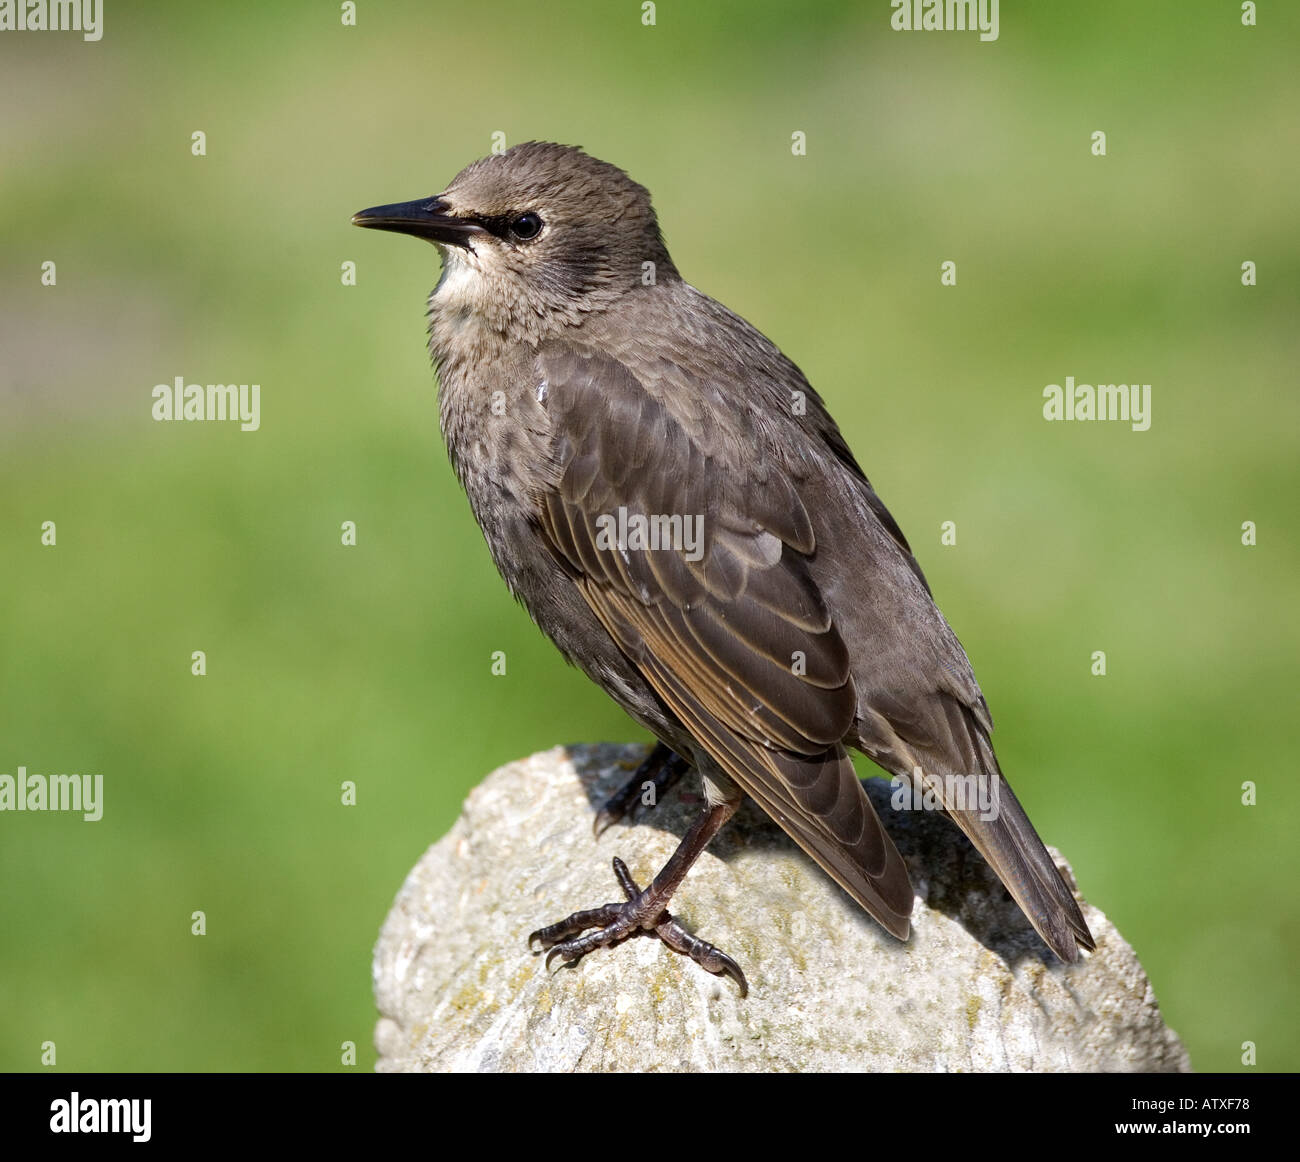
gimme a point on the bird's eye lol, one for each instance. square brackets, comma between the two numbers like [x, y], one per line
[526, 226]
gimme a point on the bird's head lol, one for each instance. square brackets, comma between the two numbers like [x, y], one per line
[534, 239]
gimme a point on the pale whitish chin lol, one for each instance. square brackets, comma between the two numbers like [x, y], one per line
[460, 276]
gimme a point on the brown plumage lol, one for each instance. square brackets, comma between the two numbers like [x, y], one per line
[581, 377]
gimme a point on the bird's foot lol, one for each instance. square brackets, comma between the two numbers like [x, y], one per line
[662, 769]
[638, 915]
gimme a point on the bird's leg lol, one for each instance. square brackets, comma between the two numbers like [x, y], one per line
[662, 768]
[645, 910]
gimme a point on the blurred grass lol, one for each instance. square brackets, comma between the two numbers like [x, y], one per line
[371, 664]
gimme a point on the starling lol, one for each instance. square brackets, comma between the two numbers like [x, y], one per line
[672, 503]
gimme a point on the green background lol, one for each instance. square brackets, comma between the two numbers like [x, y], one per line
[372, 663]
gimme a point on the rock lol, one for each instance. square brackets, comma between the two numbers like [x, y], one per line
[974, 988]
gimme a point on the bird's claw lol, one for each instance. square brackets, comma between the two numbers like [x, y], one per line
[612, 923]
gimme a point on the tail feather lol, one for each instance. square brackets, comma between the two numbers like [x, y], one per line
[950, 738]
[1014, 850]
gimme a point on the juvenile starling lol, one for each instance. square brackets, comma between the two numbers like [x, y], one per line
[671, 502]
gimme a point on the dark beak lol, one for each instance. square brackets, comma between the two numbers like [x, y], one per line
[425, 218]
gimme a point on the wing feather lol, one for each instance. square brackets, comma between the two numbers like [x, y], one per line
[738, 642]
